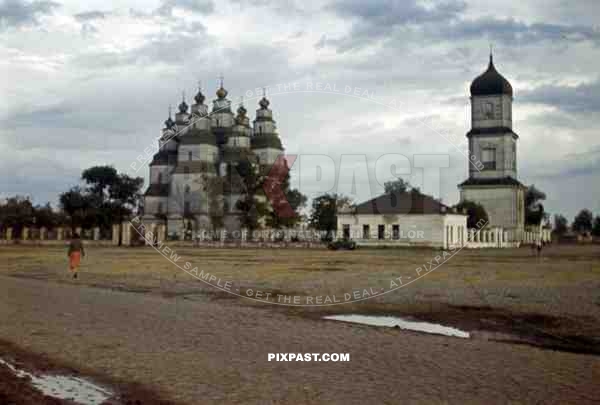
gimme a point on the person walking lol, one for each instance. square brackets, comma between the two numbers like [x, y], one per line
[75, 253]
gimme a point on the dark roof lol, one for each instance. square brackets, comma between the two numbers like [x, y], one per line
[196, 136]
[492, 131]
[410, 202]
[266, 141]
[157, 190]
[501, 181]
[163, 158]
[235, 154]
[490, 82]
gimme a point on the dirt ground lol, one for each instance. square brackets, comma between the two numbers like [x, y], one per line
[533, 322]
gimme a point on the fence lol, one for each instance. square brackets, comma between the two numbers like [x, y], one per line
[499, 238]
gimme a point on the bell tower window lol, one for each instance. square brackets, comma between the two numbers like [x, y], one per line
[488, 158]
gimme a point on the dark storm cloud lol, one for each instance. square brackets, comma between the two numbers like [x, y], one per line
[392, 12]
[584, 98]
[510, 31]
[16, 13]
[393, 21]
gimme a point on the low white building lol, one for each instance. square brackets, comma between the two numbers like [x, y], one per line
[403, 219]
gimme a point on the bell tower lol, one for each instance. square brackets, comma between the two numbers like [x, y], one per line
[492, 178]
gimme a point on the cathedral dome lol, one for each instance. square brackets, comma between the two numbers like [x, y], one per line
[221, 93]
[490, 82]
[183, 107]
[264, 103]
[199, 97]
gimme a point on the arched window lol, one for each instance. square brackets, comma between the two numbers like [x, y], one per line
[187, 189]
[190, 155]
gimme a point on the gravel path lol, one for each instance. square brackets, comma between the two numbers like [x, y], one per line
[216, 352]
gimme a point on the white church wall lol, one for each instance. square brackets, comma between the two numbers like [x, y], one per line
[264, 127]
[200, 152]
[161, 173]
[153, 203]
[413, 230]
[499, 203]
[222, 120]
[196, 196]
[240, 141]
[503, 145]
[499, 105]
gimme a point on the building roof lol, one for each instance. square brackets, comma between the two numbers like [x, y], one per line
[492, 131]
[197, 136]
[500, 181]
[410, 202]
[163, 158]
[157, 190]
[490, 82]
[264, 141]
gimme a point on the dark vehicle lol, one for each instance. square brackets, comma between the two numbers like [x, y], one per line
[344, 244]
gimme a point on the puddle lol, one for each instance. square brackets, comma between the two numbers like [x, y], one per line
[74, 389]
[391, 321]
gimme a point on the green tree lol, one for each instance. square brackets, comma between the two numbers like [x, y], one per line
[583, 221]
[46, 217]
[596, 226]
[396, 186]
[323, 216]
[534, 209]
[251, 205]
[560, 224]
[213, 186]
[15, 213]
[76, 204]
[111, 196]
[476, 214]
[100, 179]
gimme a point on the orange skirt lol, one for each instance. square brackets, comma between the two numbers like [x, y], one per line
[74, 260]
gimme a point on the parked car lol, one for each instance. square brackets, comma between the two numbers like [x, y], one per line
[344, 244]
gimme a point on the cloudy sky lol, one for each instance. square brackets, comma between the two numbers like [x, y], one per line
[86, 83]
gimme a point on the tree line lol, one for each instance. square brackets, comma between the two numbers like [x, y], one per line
[106, 197]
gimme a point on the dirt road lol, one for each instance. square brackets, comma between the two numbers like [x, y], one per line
[215, 351]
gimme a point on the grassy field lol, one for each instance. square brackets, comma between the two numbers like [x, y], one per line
[565, 281]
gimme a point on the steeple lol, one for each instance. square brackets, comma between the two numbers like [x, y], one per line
[221, 92]
[183, 107]
[264, 103]
[491, 82]
[199, 97]
[169, 123]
